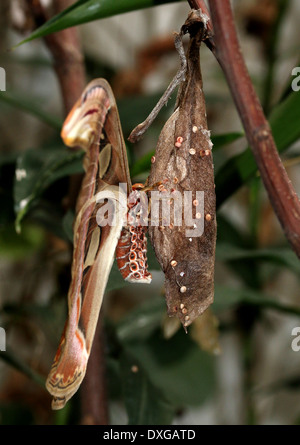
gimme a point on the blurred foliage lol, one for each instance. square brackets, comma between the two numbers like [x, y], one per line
[154, 375]
[84, 11]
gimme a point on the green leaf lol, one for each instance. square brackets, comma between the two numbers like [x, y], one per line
[142, 321]
[145, 404]
[8, 158]
[116, 281]
[142, 165]
[67, 223]
[228, 297]
[284, 121]
[12, 359]
[84, 11]
[20, 246]
[230, 233]
[230, 236]
[30, 105]
[38, 168]
[171, 365]
[280, 256]
[134, 109]
[47, 215]
[219, 140]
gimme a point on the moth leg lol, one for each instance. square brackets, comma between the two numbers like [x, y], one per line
[179, 77]
[147, 188]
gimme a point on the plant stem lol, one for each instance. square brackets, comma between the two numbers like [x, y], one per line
[226, 49]
[94, 404]
[200, 4]
[65, 49]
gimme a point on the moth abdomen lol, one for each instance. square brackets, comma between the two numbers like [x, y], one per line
[131, 254]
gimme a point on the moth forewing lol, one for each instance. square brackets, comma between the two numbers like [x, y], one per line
[96, 276]
[94, 125]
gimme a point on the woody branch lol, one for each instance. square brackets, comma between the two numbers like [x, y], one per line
[225, 46]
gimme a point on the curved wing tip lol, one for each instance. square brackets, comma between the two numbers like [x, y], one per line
[58, 403]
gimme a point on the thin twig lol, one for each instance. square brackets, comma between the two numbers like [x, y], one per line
[179, 77]
[226, 49]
